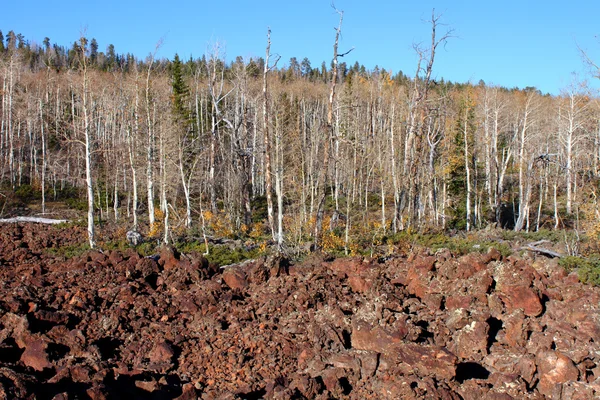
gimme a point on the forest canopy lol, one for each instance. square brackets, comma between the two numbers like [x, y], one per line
[163, 146]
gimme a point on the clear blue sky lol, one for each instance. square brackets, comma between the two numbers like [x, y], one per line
[509, 43]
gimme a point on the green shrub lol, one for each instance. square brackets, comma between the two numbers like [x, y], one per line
[24, 193]
[588, 269]
[218, 254]
[69, 251]
[146, 248]
[460, 245]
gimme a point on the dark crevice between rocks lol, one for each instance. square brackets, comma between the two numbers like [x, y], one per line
[424, 336]
[152, 280]
[57, 351]
[544, 300]
[321, 384]
[346, 339]
[108, 347]
[76, 390]
[9, 351]
[254, 395]
[39, 325]
[470, 370]
[492, 287]
[345, 385]
[125, 386]
[495, 326]
[224, 325]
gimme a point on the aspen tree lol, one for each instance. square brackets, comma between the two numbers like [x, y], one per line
[329, 134]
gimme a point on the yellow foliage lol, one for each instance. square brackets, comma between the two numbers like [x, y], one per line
[157, 226]
[222, 227]
[262, 248]
[330, 241]
[208, 216]
[257, 231]
[591, 222]
[353, 249]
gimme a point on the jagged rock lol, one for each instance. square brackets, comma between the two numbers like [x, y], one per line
[35, 354]
[134, 238]
[441, 326]
[554, 368]
[235, 278]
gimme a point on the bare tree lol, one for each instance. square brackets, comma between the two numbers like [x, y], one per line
[150, 137]
[267, 140]
[329, 133]
[417, 110]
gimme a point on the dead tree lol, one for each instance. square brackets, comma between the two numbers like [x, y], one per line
[267, 138]
[329, 133]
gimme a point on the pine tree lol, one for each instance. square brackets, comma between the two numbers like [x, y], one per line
[180, 93]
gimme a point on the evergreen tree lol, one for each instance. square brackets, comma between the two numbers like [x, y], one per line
[111, 57]
[464, 129]
[11, 40]
[305, 67]
[93, 51]
[180, 93]
[1, 41]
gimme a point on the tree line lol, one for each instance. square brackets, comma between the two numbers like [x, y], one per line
[323, 155]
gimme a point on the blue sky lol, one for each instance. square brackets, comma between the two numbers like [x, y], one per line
[508, 43]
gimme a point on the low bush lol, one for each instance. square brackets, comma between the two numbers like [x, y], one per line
[588, 268]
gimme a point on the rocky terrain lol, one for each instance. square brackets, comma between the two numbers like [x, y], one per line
[118, 325]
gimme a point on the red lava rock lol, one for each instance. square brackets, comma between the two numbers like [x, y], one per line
[458, 301]
[473, 327]
[470, 264]
[515, 334]
[115, 257]
[492, 255]
[188, 392]
[553, 368]
[425, 359]
[471, 341]
[169, 258]
[161, 353]
[424, 263]
[516, 364]
[374, 338]
[96, 393]
[35, 355]
[576, 391]
[359, 284]
[522, 297]
[146, 267]
[80, 373]
[148, 386]
[308, 387]
[235, 278]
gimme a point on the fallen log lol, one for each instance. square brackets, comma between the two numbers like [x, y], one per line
[37, 220]
[546, 252]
